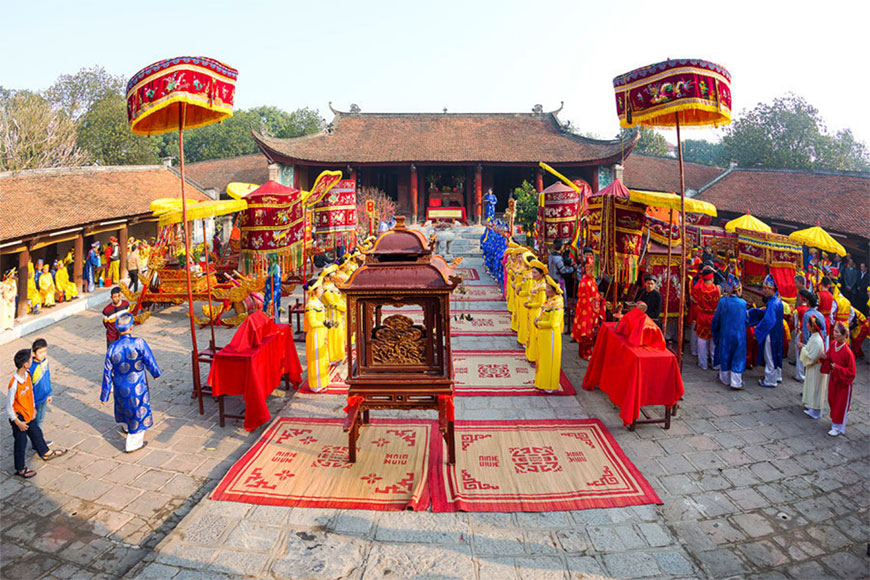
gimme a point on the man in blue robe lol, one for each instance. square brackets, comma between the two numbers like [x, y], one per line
[127, 359]
[770, 333]
[729, 335]
[92, 264]
[489, 200]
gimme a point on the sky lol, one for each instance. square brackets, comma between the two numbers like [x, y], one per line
[467, 56]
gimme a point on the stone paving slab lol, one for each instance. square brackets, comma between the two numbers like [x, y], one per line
[752, 488]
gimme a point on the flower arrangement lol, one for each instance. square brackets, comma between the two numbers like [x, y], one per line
[385, 209]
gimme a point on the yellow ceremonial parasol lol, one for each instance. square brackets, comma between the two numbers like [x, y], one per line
[168, 96]
[675, 93]
[201, 210]
[816, 237]
[747, 222]
[671, 201]
[238, 190]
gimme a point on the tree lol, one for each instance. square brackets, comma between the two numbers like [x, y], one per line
[232, 137]
[700, 151]
[789, 133]
[526, 207]
[650, 143]
[75, 94]
[104, 133]
[33, 135]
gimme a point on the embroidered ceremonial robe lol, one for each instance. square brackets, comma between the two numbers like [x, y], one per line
[587, 315]
[839, 366]
[336, 307]
[729, 334]
[316, 345]
[127, 359]
[771, 325]
[33, 294]
[509, 296]
[705, 298]
[525, 287]
[62, 281]
[537, 296]
[815, 383]
[47, 289]
[859, 333]
[549, 337]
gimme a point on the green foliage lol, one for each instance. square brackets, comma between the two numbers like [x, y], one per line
[76, 94]
[526, 206]
[789, 133]
[700, 151]
[104, 133]
[650, 143]
[232, 137]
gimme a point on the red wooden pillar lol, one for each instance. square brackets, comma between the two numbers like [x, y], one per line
[352, 172]
[539, 180]
[413, 186]
[478, 191]
[78, 261]
[23, 261]
[122, 246]
[594, 182]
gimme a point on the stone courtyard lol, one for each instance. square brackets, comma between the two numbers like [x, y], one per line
[752, 488]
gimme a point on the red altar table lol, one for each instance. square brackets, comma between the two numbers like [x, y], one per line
[632, 376]
[252, 364]
[445, 213]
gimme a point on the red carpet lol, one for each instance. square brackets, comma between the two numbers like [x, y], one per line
[468, 273]
[535, 466]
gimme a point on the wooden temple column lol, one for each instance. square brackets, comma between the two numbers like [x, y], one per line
[478, 192]
[78, 261]
[352, 173]
[122, 246]
[413, 186]
[23, 261]
[539, 180]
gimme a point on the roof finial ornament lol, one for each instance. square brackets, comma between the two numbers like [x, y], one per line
[334, 112]
[354, 109]
[445, 110]
[561, 106]
[538, 109]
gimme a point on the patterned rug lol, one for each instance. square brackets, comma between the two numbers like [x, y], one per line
[468, 273]
[478, 373]
[481, 292]
[302, 462]
[482, 323]
[534, 466]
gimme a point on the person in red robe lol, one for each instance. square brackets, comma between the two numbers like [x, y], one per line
[839, 365]
[826, 301]
[705, 296]
[589, 311]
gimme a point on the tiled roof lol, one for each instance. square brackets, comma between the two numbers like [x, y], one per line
[446, 138]
[46, 200]
[839, 200]
[216, 174]
[663, 174]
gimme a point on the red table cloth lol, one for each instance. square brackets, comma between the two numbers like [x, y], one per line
[632, 376]
[252, 365]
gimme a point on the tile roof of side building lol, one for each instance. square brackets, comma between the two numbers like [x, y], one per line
[44, 200]
[380, 138]
[663, 173]
[217, 173]
[839, 200]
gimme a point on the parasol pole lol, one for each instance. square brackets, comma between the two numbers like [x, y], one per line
[668, 272]
[188, 253]
[683, 242]
[208, 285]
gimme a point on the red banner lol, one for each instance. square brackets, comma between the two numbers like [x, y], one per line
[335, 216]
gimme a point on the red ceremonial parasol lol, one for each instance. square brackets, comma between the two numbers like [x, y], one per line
[675, 93]
[170, 95]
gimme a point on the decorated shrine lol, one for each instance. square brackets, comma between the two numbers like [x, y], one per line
[559, 212]
[398, 363]
[272, 227]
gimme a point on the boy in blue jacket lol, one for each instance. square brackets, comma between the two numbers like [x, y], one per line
[40, 374]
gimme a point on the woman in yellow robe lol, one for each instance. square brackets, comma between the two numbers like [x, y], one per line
[316, 339]
[46, 287]
[549, 366]
[65, 288]
[533, 305]
[523, 286]
[336, 307]
[33, 295]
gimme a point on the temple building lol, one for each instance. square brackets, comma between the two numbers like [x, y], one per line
[444, 160]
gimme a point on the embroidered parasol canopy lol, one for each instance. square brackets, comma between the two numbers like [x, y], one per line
[697, 91]
[747, 222]
[189, 90]
[816, 237]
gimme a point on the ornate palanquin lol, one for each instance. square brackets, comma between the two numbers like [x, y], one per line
[335, 216]
[397, 363]
[656, 263]
[272, 229]
[620, 222]
[557, 215]
[761, 253]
